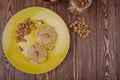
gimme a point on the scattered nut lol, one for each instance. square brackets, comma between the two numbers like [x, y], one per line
[28, 31]
[51, 47]
[27, 20]
[20, 49]
[40, 21]
[23, 40]
[80, 27]
[24, 29]
[33, 27]
[17, 39]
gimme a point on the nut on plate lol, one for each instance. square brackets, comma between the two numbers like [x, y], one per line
[23, 29]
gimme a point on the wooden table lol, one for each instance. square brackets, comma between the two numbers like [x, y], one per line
[96, 57]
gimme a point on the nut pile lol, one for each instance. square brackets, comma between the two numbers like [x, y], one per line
[82, 3]
[80, 27]
[24, 29]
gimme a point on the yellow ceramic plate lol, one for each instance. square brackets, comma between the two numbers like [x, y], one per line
[19, 60]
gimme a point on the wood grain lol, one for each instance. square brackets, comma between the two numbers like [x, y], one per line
[3, 69]
[106, 40]
[86, 48]
[93, 58]
[7, 12]
[118, 38]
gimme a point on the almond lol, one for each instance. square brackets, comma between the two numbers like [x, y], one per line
[80, 27]
[23, 40]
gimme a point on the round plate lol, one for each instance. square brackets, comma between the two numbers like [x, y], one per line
[54, 58]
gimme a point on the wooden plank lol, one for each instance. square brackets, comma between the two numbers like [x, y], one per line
[7, 68]
[6, 11]
[3, 70]
[106, 40]
[19, 75]
[1, 16]
[86, 48]
[118, 38]
[66, 70]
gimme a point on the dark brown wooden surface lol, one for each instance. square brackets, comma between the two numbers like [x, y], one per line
[96, 57]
